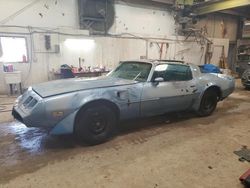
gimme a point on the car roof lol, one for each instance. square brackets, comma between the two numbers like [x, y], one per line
[169, 61]
[156, 62]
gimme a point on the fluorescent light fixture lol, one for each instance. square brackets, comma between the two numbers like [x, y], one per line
[80, 44]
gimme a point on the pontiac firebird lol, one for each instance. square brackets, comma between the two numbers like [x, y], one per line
[92, 108]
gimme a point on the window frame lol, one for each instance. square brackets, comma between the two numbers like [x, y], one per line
[191, 73]
[27, 47]
[138, 62]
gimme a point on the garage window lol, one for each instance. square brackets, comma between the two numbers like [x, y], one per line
[13, 49]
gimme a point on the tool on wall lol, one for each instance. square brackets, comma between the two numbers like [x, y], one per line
[208, 54]
[198, 35]
[223, 29]
[223, 63]
[162, 48]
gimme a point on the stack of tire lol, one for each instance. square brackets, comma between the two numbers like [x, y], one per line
[245, 79]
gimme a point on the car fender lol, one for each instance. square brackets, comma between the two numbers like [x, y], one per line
[197, 103]
[125, 98]
[75, 102]
[65, 126]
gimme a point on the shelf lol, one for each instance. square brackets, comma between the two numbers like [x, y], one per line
[244, 61]
[244, 54]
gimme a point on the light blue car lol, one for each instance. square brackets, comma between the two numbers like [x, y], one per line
[92, 108]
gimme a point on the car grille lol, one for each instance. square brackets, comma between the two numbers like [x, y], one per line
[27, 101]
[30, 102]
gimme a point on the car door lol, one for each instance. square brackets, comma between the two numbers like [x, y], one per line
[173, 93]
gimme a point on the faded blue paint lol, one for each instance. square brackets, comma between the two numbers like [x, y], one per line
[66, 126]
[59, 101]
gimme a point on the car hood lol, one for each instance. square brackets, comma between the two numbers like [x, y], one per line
[77, 84]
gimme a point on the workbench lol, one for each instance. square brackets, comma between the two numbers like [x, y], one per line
[13, 78]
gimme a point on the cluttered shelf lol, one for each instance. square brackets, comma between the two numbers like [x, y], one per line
[59, 75]
[71, 72]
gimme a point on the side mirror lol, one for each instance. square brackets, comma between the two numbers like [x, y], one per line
[157, 80]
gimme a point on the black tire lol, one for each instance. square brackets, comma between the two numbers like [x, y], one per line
[208, 103]
[96, 124]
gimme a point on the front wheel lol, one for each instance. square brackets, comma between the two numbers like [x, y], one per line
[208, 103]
[96, 124]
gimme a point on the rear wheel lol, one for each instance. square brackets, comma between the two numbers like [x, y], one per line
[96, 124]
[208, 103]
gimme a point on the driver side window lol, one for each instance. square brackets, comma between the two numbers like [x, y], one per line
[173, 72]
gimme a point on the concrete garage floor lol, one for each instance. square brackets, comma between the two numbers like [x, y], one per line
[178, 152]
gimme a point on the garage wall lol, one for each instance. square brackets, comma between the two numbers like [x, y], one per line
[143, 21]
[40, 13]
[219, 26]
[143, 36]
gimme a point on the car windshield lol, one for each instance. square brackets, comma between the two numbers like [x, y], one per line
[132, 71]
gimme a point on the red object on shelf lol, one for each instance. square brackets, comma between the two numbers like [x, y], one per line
[24, 59]
[74, 70]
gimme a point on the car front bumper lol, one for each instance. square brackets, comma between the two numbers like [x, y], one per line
[34, 119]
[65, 126]
[29, 109]
[17, 116]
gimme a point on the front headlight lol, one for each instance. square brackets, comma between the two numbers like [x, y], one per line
[18, 100]
[30, 88]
